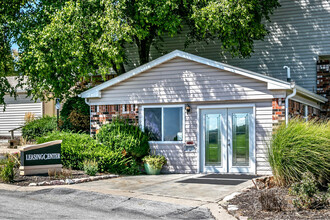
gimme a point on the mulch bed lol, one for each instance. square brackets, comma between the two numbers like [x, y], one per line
[249, 206]
[67, 174]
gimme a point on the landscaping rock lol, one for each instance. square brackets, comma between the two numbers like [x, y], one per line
[73, 181]
[232, 207]
[69, 181]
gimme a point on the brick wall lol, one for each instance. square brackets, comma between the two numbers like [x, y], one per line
[323, 84]
[296, 109]
[104, 114]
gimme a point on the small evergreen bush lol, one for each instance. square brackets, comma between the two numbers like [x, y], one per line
[75, 115]
[300, 147]
[10, 164]
[122, 136]
[39, 127]
[307, 193]
[77, 148]
[90, 167]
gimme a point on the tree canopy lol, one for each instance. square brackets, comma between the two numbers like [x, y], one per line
[9, 13]
[62, 42]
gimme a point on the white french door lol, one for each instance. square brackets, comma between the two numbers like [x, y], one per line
[227, 140]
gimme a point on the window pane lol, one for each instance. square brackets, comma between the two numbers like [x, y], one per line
[172, 124]
[152, 123]
[241, 139]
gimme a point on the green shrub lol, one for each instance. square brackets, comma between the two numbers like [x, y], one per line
[307, 193]
[7, 172]
[127, 138]
[39, 127]
[76, 148]
[90, 167]
[75, 115]
[155, 161]
[300, 147]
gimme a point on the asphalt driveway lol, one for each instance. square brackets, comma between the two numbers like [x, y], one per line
[64, 203]
[174, 196]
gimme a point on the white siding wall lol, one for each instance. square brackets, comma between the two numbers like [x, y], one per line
[180, 161]
[13, 116]
[183, 81]
[299, 33]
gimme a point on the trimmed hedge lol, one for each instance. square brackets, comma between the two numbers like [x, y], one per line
[39, 127]
[122, 136]
[77, 148]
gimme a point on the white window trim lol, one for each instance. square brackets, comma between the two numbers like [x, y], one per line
[124, 110]
[162, 107]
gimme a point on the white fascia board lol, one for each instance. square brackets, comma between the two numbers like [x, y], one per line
[233, 69]
[277, 86]
[128, 75]
[93, 92]
[310, 94]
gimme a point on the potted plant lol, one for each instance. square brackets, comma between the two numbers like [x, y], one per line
[153, 164]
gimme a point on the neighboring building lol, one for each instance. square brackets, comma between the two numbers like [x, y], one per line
[299, 37]
[204, 116]
[15, 111]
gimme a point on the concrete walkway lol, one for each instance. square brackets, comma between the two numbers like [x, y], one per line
[194, 190]
[172, 186]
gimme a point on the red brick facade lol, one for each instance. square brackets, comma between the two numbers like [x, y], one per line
[103, 114]
[323, 84]
[296, 109]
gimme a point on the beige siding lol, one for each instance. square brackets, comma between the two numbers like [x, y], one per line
[181, 80]
[14, 114]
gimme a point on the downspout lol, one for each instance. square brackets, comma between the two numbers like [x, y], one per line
[287, 103]
[90, 118]
[293, 86]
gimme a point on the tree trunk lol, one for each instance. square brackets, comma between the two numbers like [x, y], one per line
[144, 49]
[119, 69]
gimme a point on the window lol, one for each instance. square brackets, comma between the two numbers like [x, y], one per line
[164, 123]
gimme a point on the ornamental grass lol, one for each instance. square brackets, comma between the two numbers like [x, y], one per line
[300, 147]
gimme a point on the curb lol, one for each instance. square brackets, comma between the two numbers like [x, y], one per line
[73, 181]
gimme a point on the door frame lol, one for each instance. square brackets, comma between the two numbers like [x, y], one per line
[225, 106]
[223, 143]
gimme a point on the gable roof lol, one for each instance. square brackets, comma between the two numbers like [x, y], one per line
[272, 83]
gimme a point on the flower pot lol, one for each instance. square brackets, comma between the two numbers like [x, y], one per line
[150, 170]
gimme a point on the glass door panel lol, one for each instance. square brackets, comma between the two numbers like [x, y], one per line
[240, 139]
[212, 140]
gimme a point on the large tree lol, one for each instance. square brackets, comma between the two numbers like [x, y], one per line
[80, 38]
[9, 13]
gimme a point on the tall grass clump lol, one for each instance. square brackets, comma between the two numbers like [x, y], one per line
[300, 147]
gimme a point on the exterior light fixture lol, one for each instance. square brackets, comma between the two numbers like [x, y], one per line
[188, 108]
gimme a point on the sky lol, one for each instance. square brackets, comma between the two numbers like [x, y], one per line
[14, 46]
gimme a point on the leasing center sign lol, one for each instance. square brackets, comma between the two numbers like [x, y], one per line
[41, 157]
